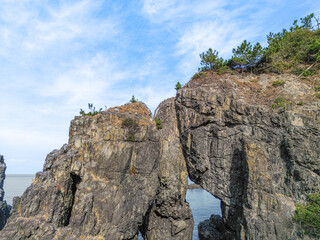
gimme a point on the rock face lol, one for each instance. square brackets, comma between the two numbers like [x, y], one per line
[242, 139]
[211, 228]
[114, 177]
[170, 217]
[258, 161]
[4, 208]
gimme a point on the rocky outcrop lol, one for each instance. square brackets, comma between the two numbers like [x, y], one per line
[4, 208]
[257, 160]
[211, 228]
[114, 178]
[241, 138]
[170, 217]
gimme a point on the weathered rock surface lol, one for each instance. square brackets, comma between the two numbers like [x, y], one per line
[194, 186]
[107, 183]
[120, 174]
[258, 161]
[170, 217]
[211, 228]
[4, 208]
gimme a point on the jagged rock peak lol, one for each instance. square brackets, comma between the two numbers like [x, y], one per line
[4, 208]
[107, 182]
[135, 108]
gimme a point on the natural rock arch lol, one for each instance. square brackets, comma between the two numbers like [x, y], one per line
[257, 161]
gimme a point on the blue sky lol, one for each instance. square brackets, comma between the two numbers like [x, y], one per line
[57, 56]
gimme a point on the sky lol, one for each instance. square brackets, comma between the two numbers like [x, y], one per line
[57, 56]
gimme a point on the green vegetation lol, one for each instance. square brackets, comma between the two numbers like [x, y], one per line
[246, 56]
[178, 86]
[300, 103]
[222, 70]
[308, 216]
[131, 138]
[317, 95]
[129, 123]
[278, 83]
[132, 127]
[92, 111]
[299, 45]
[199, 75]
[211, 61]
[289, 50]
[133, 100]
[132, 170]
[158, 123]
[281, 102]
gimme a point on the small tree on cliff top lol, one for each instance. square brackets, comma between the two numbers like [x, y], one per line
[211, 61]
[246, 55]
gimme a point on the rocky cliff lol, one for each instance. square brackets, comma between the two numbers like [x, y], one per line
[258, 157]
[250, 140]
[117, 175]
[4, 208]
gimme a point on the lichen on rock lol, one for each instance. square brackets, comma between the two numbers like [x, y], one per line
[259, 162]
[121, 173]
[102, 185]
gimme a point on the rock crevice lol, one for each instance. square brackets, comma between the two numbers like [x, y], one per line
[121, 172]
[117, 175]
[259, 162]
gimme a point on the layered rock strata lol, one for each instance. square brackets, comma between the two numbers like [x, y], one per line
[107, 183]
[4, 208]
[241, 138]
[170, 216]
[257, 160]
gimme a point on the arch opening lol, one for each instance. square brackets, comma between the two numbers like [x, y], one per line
[203, 204]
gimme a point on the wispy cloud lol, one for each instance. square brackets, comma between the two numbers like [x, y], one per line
[37, 26]
[57, 56]
[221, 25]
[86, 79]
[52, 64]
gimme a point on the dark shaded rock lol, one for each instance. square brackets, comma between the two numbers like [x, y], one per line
[211, 228]
[259, 162]
[4, 208]
[170, 217]
[107, 183]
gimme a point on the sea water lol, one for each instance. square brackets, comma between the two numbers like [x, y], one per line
[15, 185]
[202, 203]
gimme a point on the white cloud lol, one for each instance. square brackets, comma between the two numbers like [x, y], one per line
[152, 7]
[220, 25]
[86, 79]
[36, 27]
[57, 56]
